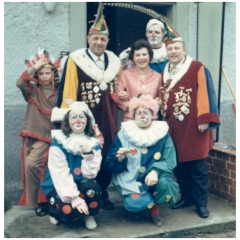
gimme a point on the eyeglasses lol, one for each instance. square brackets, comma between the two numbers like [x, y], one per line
[146, 112]
[74, 116]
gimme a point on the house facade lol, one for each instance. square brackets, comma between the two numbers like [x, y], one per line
[208, 29]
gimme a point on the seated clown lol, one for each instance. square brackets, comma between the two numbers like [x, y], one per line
[74, 161]
[141, 158]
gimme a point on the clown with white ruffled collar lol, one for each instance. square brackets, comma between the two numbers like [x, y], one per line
[74, 161]
[142, 158]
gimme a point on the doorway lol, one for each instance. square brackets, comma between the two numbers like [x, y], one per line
[125, 25]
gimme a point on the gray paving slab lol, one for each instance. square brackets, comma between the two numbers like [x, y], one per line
[21, 222]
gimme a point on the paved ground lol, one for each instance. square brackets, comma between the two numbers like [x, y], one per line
[21, 222]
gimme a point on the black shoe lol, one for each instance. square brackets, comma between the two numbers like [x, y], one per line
[106, 204]
[42, 209]
[181, 204]
[157, 220]
[202, 212]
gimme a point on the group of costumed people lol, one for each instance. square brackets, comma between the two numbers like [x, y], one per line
[169, 107]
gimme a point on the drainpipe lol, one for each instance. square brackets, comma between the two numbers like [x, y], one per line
[220, 67]
[197, 30]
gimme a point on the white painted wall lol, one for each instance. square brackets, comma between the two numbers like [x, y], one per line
[27, 26]
[227, 131]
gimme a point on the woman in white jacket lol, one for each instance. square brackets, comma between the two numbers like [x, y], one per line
[74, 161]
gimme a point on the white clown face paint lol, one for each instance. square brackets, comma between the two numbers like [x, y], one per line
[77, 121]
[143, 117]
[154, 35]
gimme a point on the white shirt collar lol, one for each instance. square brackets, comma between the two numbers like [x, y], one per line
[95, 57]
[179, 65]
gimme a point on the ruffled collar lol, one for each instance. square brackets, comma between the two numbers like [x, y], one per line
[144, 137]
[70, 143]
[159, 54]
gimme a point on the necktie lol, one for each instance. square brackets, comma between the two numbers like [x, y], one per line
[174, 70]
[99, 63]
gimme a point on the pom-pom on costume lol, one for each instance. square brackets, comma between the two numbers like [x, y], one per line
[151, 149]
[35, 133]
[70, 180]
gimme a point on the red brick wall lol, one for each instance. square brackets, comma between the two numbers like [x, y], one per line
[222, 173]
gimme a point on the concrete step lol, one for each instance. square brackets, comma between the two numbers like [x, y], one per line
[21, 222]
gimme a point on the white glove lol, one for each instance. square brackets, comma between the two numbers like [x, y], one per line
[84, 146]
[124, 55]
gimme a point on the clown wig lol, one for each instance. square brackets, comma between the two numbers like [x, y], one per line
[145, 101]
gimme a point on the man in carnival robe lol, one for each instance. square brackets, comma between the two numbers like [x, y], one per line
[189, 106]
[89, 76]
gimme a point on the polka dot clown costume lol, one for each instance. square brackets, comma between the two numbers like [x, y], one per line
[74, 161]
[142, 158]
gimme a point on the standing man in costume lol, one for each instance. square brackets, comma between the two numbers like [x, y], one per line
[155, 32]
[189, 105]
[89, 76]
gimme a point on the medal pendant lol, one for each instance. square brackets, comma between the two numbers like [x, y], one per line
[184, 99]
[103, 86]
[185, 109]
[90, 96]
[96, 89]
[180, 117]
[97, 100]
[89, 85]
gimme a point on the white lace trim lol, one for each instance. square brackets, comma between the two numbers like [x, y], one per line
[81, 59]
[177, 77]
